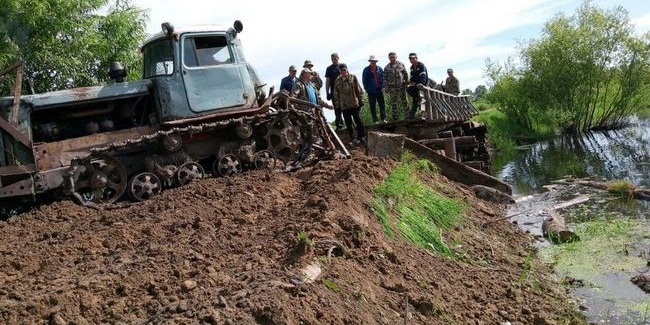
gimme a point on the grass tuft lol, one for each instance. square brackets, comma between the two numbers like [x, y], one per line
[421, 213]
[622, 188]
[330, 284]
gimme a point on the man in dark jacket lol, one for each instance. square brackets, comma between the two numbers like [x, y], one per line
[418, 78]
[348, 97]
[373, 83]
[331, 73]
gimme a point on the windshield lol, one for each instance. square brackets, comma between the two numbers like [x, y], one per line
[200, 51]
[158, 58]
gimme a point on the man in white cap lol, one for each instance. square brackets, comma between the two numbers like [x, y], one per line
[315, 79]
[373, 83]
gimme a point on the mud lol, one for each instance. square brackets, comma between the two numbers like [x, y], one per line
[228, 251]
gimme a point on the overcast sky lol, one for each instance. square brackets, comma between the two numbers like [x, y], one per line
[457, 34]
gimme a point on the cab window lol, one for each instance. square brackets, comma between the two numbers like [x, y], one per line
[201, 51]
[158, 58]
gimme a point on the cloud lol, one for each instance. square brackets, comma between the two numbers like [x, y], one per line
[642, 23]
[459, 34]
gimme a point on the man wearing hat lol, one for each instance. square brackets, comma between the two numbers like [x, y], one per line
[418, 78]
[315, 79]
[290, 80]
[348, 97]
[451, 83]
[373, 83]
[304, 89]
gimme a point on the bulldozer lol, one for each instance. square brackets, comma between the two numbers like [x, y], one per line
[199, 109]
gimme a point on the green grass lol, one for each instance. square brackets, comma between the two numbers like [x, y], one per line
[622, 188]
[598, 250]
[303, 242]
[330, 284]
[503, 133]
[420, 213]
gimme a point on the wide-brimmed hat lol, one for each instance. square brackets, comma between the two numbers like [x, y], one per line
[373, 58]
[305, 70]
[307, 64]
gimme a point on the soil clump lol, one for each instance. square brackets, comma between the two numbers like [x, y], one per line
[232, 250]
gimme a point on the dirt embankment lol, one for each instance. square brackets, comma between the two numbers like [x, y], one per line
[226, 251]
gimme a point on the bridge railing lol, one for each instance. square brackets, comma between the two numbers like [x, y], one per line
[443, 107]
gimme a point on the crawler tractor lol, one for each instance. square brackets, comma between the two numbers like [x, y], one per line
[199, 106]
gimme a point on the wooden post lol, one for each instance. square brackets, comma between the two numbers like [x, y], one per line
[450, 148]
[18, 84]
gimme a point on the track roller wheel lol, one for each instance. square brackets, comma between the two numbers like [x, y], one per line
[188, 172]
[226, 165]
[101, 180]
[145, 185]
[264, 159]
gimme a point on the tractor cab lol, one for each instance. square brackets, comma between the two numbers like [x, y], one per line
[199, 71]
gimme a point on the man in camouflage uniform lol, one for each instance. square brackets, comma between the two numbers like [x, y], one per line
[451, 84]
[348, 96]
[316, 80]
[395, 82]
[305, 90]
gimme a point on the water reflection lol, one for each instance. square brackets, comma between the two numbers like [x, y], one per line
[609, 296]
[618, 154]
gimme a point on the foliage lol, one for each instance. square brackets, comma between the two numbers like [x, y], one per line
[421, 213]
[502, 133]
[479, 92]
[588, 70]
[69, 43]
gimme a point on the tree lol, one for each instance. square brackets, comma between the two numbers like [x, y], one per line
[587, 70]
[480, 92]
[68, 43]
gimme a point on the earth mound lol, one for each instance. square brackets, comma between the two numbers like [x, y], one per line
[236, 250]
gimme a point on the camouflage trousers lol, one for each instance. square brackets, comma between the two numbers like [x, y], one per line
[397, 98]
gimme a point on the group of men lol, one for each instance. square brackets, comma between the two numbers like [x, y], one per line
[346, 92]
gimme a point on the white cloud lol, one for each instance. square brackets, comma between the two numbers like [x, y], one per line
[458, 34]
[642, 23]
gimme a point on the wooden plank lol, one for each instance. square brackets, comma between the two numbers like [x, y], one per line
[468, 139]
[18, 83]
[457, 171]
[13, 66]
[13, 132]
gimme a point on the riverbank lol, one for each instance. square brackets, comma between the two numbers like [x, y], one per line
[280, 248]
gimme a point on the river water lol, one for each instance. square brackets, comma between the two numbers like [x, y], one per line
[615, 231]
